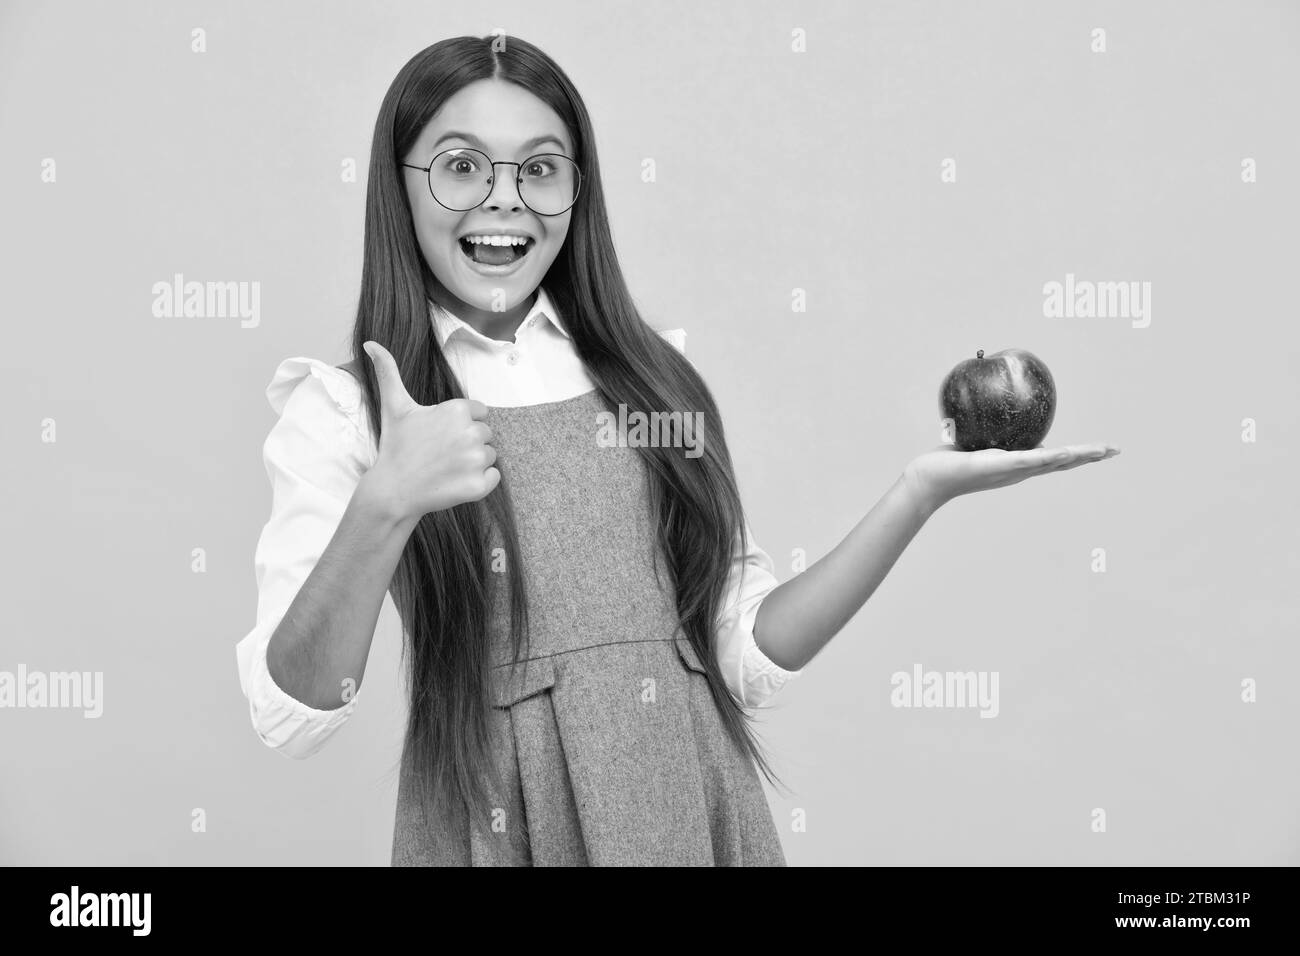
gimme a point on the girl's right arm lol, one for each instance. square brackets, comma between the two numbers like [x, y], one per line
[337, 531]
[318, 652]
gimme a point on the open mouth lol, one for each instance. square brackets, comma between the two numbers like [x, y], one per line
[495, 250]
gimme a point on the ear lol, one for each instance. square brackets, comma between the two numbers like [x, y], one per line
[676, 338]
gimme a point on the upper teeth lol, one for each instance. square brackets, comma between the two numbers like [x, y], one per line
[498, 240]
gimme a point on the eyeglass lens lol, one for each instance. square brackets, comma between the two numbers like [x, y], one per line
[461, 179]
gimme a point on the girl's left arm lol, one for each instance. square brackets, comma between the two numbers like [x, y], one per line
[798, 618]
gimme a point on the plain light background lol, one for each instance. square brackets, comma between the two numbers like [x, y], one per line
[776, 171]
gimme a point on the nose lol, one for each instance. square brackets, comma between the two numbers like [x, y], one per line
[505, 191]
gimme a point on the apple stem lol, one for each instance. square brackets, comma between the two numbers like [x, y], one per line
[979, 354]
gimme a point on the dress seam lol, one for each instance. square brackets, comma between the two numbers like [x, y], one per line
[585, 647]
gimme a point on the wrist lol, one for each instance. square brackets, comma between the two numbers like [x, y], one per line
[921, 498]
[380, 506]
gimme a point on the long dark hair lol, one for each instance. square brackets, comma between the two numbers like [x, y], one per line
[440, 586]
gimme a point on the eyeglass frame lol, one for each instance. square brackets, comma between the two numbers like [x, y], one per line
[494, 164]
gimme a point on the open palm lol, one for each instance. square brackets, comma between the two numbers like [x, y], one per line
[945, 473]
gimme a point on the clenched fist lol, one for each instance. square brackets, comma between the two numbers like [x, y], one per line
[431, 457]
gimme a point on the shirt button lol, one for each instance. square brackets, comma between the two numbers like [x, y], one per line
[532, 322]
[513, 357]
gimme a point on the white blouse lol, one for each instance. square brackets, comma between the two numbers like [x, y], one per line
[321, 446]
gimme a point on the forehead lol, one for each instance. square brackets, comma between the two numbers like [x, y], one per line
[500, 117]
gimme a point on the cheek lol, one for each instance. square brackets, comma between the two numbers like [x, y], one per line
[434, 230]
[555, 237]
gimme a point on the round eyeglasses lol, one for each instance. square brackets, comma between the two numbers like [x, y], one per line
[461, 179]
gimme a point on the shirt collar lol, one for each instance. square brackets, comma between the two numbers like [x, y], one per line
[446, 324]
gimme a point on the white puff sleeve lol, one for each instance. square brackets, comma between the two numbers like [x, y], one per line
[752, 675]
[315, 456]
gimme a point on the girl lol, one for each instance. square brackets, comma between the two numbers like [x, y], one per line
[586, 624]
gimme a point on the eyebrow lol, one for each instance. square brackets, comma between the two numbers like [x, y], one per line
[469, 138]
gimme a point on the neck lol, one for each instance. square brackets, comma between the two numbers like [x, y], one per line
[495, 325]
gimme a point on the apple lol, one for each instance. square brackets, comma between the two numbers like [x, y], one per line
[1007, 400]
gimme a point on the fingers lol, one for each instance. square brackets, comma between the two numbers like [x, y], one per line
[1092, 452]
[1072, 456]
[999, 460]
[1074, 464]
[1015, 466]
[491, 478]
[393, 396]
[1039, 457]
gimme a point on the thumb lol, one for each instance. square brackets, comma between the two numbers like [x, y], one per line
[393, 396]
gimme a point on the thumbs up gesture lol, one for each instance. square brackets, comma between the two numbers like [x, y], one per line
[431, 457]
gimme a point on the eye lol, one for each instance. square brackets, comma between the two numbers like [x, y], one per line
[459, 165]
[539, 168]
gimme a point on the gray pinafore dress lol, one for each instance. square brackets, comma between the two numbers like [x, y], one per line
[611, 748]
